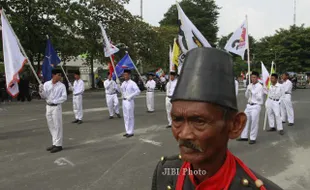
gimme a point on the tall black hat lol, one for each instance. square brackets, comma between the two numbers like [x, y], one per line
[207, 76]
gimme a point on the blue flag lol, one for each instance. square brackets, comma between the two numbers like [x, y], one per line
[51, 60]
[124, 64]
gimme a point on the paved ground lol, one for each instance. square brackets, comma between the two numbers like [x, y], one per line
[96, 156]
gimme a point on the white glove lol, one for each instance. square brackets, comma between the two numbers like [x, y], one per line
[70, 85]
[117, 81]
[70, 88]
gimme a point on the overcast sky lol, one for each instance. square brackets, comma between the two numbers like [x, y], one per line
[265, 16]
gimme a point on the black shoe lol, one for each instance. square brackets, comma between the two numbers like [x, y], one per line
[281, 132]
[56, 149]
[283, 122]
[80, 122]
[291, 124]
[76, 121]
[50, 148]
[169, 126]
[125, 135]
[271, 130]
[243, 139]
[111, 117]
[118, 115]
[128, 136]
[252, 142]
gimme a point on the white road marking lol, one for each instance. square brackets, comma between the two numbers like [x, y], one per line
[63, 161]
[151, 142]
[32, 120]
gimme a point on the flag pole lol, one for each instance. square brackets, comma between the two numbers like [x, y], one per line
[136, 69]
[21, 47]
[62, 67]
[248, 44]
[265, 118]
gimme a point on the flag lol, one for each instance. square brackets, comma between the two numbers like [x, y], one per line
[265, 76]
[189, 36]
[124, 64]
[171, 63]
[111, 69]
[238, 42]
[14, 60]
[160, 72]
[51, 60]
[109, 49]
[176, 53]
[272, 71]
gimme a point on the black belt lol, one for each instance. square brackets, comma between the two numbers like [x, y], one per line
[52, 105]
[287, 93]
[252, 104]
[169, 96]
[77, 94]
[274, 99]
[111, 94]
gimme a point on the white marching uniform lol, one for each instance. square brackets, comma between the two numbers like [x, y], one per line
[129, 90]
[55, 95]
[275, 93]
[170, 89]
[287, 111]
[255, 95]
[111, 90]
[237, 87]
[78, 90]
[150, 86]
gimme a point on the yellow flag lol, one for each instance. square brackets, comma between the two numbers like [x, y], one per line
[176, 52]
[273, 70]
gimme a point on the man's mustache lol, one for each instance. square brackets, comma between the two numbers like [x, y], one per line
[189, 144]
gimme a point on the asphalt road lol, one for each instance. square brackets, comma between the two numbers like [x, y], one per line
[96, 156]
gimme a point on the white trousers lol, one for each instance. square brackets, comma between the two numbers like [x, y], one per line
[150, 101]
[113, 104]
[287, 111]
[54, 122]
[129, 117]
[252, 113]
[78, 107]
[168, 109]
[273, 111]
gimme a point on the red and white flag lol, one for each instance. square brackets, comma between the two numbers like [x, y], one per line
[239, 41]
[14, 60]
[109, 49]
[265, 76]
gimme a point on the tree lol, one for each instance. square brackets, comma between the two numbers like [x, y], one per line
[203, 14]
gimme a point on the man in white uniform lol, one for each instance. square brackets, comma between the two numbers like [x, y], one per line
[129, 91]
[287, 111]
[169, 90]
[54, 92]
[255, 96]
[111, 89]
[150, 87]
[275, 94]
[236, 86]
[78, 90]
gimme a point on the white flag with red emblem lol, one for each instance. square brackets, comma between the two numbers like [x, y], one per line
[238, 42]
[14, 60]
[265, 76]
[109, 49]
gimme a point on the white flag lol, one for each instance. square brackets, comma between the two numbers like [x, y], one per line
[109, 49]
[265, 76]
[238, 42]
[189, 36]
[14, 60]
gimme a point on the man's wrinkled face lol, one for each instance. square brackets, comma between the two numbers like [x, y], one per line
[202, 130]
